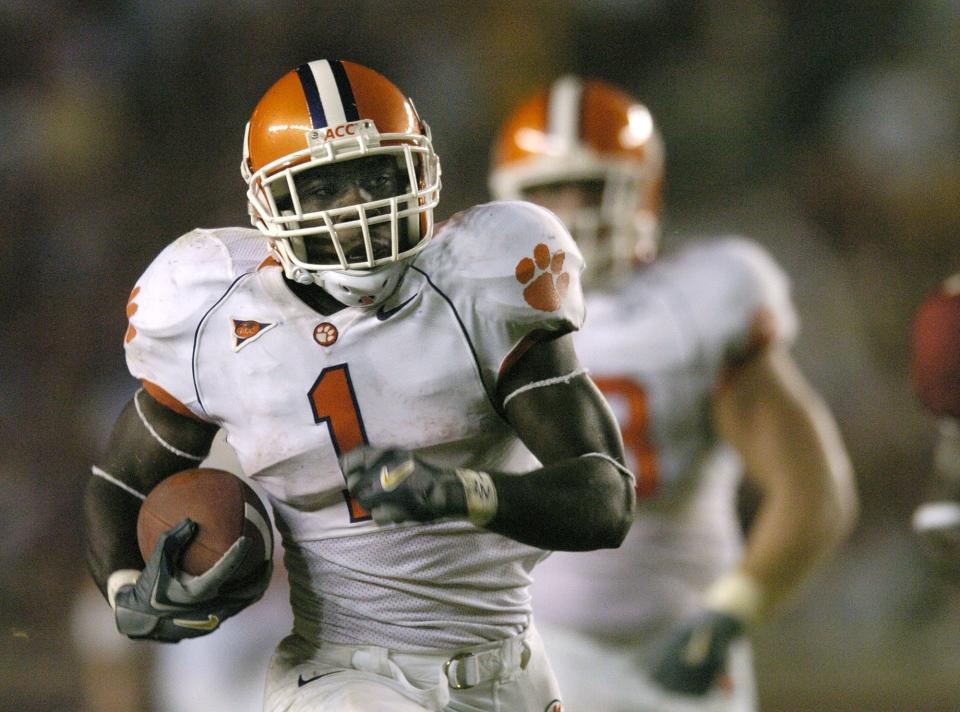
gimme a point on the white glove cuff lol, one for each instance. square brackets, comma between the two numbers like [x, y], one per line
[118, 579]
[738, 595]
[481, 495]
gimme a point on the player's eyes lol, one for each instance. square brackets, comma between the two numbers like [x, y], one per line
[380, 181]
[320, 190]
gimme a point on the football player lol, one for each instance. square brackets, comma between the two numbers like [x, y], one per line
[935, 364]
[407, 395]
[692, 352]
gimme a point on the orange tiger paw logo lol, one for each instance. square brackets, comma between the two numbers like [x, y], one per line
[132, 307]
[545, 279]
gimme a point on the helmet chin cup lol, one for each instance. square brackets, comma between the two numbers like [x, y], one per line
[356, 288]
[353, 288]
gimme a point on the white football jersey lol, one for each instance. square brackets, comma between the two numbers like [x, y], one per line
[214, 324]
[657, 348]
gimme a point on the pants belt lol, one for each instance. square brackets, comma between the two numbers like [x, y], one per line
[463, 668]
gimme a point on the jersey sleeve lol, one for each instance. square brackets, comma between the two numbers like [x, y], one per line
[512, 272]
[164, 309]
[739, 300]
[935, 349]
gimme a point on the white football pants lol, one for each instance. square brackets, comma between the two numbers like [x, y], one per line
[509, 676]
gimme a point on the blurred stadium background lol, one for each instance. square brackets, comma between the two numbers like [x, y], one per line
[829, 131]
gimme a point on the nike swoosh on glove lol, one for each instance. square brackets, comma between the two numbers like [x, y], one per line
[394, 486]
[697, 653]
[168, 605]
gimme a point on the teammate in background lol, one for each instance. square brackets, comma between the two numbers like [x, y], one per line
[413, 407]
[692, 353]
[935, 341]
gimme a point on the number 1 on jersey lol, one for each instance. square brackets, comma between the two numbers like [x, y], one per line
[334, 402]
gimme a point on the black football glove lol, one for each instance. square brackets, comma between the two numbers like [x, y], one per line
[168, 605]
[697, 653]
[395, 486]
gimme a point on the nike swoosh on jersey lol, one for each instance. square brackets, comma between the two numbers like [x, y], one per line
[391, 479]
[384, 314]
[210, 624]
[301, 682]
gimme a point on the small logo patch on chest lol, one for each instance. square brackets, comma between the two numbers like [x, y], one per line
[326, 334]
[246, 331]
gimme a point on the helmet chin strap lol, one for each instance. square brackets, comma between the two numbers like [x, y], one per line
[302, 276]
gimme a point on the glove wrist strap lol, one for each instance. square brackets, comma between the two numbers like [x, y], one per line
[481, 495]
[117, 580]
[736, 594]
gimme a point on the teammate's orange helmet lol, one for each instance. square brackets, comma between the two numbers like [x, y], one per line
[591, 133]
[326, 112]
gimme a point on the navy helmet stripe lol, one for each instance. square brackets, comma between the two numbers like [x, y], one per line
[345, 90]
[310, 91]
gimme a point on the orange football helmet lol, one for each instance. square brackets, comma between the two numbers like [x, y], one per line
[330, 112]
[591, 134]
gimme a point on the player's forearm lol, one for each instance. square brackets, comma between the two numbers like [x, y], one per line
[809, 503]
[148, 442]
[576, 504]
[792, 450]
[110, 530]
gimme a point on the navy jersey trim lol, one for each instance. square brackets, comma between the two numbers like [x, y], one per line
[196, 337]
[466, 335]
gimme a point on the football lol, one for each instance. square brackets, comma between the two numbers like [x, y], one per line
[224, 508]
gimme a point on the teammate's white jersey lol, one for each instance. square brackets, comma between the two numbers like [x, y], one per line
[214, 324]
[658, 348]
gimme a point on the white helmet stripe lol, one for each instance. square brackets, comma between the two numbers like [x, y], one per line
[563, 113]
[329, 93]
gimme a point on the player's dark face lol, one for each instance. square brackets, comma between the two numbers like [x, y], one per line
[342, 185]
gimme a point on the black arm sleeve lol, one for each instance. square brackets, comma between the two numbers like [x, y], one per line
[573, 502]
[137, 458]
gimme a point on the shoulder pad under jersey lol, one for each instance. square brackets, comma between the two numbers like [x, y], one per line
[737, 296]
[510, 270]
[171, 297]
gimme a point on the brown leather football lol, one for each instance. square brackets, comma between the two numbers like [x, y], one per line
[224, 508]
